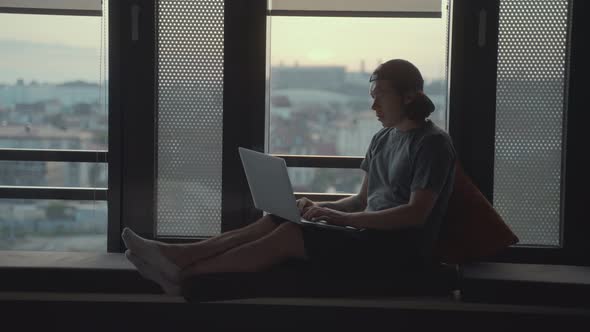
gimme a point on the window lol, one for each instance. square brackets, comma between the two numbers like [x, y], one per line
[194, 98]
[173, 113]
[205, 98]
[251, 38]
[320, 57]
[530, 109]
[53, 125]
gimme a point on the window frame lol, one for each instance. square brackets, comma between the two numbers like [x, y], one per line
[474, 134]
[134, 90]
[132, 117]
[576, 182]
[42, 11]
[50, 155]
[73, 10]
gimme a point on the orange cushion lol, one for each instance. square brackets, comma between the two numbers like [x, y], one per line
[472, 228]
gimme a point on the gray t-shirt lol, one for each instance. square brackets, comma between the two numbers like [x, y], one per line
[397, 163]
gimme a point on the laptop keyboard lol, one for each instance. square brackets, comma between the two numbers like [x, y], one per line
[323, 222]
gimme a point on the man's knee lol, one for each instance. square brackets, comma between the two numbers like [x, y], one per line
[267, 221]
[264, 225]
[291, 226]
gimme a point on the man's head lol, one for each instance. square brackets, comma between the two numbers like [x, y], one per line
[397, 91]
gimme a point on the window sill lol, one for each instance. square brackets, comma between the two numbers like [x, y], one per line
[71, 272]
[97, 277]
[385, 306]
[526, 284]
[64, 260]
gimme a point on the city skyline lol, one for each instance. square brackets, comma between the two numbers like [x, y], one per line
[31, 80]
[420, 40]
[321, 41]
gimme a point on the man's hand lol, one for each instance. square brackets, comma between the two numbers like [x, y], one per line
[329, 215]
[303, 204]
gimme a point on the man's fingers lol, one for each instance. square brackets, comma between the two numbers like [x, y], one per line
[301, 203]
[311, 212]
[307, 208]
[315, 212]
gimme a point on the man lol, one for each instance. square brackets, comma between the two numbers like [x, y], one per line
[409, 174]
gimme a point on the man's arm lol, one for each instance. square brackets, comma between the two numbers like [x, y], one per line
[354, 203]
[433, 164]
[412, 214]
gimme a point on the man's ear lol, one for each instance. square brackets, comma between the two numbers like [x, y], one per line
[408, 98]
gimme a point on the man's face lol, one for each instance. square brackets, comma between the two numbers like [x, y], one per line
[387, 103]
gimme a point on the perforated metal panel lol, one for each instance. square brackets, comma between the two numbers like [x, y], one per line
[190, 110]
[532, 62]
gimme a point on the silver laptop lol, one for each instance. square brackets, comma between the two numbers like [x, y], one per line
[272, 191]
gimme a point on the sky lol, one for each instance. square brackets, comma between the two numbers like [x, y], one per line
[50, 48]
[348, 41]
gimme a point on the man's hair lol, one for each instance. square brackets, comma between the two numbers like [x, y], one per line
[406, 79]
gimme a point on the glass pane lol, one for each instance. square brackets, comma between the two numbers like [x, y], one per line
[355, 5]
[54, 4]
[190, 117]
[318, 96]
[53, 174]
[326, 180]
[532, 69]
[53, 84]
[53, 225]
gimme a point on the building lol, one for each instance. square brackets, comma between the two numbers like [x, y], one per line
[50, 173]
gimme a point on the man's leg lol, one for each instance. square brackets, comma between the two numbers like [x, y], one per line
[286, 241]
[184, 255]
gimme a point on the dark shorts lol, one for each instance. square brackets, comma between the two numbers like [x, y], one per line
[369, 251]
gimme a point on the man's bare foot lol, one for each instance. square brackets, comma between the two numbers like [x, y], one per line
[149, 272]
[150, 251]
[175, 253]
